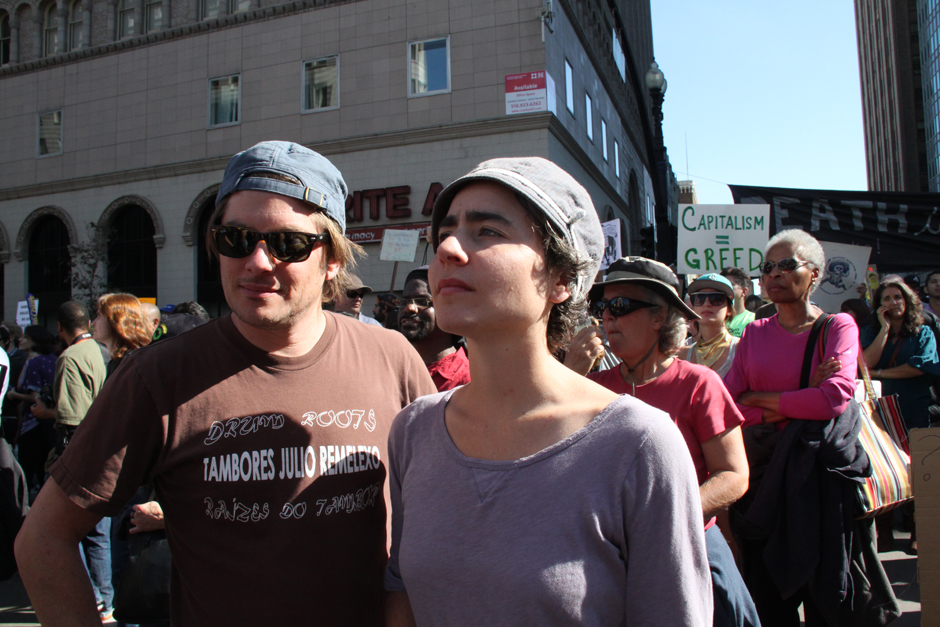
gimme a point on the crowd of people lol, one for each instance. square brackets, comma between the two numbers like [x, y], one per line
[515, 438]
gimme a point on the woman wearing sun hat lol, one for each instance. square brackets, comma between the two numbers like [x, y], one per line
[531, 495]
[712, 298]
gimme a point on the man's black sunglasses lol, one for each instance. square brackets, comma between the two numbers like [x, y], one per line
[290, 246]
[619, 306]
[715, 299]
[786, 265]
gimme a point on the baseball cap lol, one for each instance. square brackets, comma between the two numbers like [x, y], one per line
[712, 281]
[319, 183]
[355, 285]
[563, 202]
[652, 274]
[389, 299]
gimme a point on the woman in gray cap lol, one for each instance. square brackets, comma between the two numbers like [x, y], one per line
[532, 495]
[645, 320]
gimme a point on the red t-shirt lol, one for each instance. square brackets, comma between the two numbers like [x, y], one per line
[692, 395]
[451, 371]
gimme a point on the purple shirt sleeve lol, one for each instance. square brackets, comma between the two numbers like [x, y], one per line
[833, 395]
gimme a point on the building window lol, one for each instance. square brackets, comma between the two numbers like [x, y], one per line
[50, 133]
[429, 67]
[209, 9]
[620, 60]
[76, 31]
[604, 139]
[50, 31]
[569, 87]
[49, 266]
[126, 18]
[321, 84]
[132, 254]
[153, 15]
[238, 6]
[223, 101]
[616, 159]
[4, 39]
[588, 116]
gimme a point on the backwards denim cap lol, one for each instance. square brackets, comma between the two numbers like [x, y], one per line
[561, 200]
[320, 183]
[712, 281]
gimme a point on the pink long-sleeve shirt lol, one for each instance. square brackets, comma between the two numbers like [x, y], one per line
[769, 359]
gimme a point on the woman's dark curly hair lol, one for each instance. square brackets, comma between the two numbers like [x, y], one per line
[913, 310]
[43, 339]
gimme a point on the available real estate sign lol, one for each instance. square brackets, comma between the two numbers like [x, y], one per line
[529, 91]
[712, 237]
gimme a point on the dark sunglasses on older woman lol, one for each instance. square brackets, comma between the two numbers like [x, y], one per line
[715, 299]
[619, 306]
[785, 265]
[288, 246]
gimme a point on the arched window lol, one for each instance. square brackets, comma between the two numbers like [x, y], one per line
[209, 292]
[50, 30]
[154, 15]
[209, 9]
[4, 39]
[76, 30]
[49, 267]
[126, 18]
[132, 255]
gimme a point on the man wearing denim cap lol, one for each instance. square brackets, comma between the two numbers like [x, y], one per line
[263, 432]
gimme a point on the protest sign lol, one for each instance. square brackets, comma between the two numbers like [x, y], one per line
[612, 249]
[399, 245]
[712, 237]
[846, 269]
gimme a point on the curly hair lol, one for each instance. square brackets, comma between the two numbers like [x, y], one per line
[560, 256]
[675, 329]
[804, 245]
[913, 310]
[43, 339]
[128, 327]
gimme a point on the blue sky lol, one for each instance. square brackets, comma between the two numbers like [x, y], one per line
[765, 93]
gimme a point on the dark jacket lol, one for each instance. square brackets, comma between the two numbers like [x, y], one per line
[14, 495]
[805, 507]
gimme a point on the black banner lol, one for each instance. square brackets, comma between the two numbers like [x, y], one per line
[902, 229]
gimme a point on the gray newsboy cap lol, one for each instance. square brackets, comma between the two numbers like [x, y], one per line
[565, 204]
[321, 184]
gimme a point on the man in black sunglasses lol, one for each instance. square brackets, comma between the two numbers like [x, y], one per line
[349, 302]
[264, 432]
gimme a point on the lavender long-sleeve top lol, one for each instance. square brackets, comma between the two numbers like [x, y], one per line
[769, 359]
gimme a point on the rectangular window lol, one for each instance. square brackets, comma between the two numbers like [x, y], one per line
[620, 60]
[429, 67]
[223, 101]
[126, 18]
[4, 40]
[616, 159]
[50, 133]
[604, 139]
[588, 116]
[321, 84]
[569, 87]
[209, 9]
[238, 6]
[76, 33]
[154, 16]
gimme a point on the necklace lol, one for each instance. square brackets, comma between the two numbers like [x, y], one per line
[631, 370]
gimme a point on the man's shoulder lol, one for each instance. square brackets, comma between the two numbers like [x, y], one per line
[84, 353]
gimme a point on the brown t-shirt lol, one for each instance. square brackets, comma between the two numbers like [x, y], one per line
[270, 470]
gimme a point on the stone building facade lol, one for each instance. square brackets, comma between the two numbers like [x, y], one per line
[117, 118]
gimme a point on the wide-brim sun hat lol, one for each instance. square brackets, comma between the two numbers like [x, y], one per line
[648, 273]
[563, 202]
[715, 282]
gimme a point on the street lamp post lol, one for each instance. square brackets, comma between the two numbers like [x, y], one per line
[656, 83]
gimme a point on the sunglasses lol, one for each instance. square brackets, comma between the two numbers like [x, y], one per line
[619, 306]
[419, 303]
[289, 246]
[715, 299]
[355, 293]
[785, 265]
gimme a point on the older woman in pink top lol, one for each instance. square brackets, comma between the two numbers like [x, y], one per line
[765, 381]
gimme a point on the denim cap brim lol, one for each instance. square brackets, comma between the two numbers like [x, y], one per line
[563, 202]
[649, 273]
[322, 185]
[712, 281]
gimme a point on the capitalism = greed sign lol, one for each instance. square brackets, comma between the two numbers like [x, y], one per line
[712, 237]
